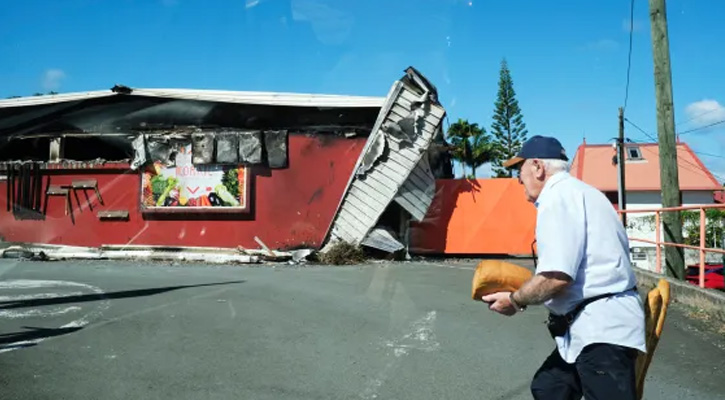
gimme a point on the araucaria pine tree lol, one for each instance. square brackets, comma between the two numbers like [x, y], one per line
[508, 129]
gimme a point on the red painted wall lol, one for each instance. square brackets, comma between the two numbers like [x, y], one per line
[289, 207]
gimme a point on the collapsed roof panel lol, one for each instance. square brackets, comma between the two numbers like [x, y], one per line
[382, 239]
[408, 122]
[416, 194]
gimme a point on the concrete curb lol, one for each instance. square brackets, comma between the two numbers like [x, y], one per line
[709, 301]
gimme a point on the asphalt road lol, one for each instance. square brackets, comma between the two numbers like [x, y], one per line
[91, 330]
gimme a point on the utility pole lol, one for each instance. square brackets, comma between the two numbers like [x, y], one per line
[669, 180]
[622, 198]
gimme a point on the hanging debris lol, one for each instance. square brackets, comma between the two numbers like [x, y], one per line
[227, 148]
[159, 148]
[250, 147]
[276, 144]
[377, 149]
[139, 150]
[202, 148]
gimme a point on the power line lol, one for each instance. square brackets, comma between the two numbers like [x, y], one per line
[702, 153]
[629, 56]
[641, 130]
[699, 116]
[679, 133]
[690, 165]
[678, 159]
[703, 127]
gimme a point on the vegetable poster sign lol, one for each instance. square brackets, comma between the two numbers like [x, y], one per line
[189, 187]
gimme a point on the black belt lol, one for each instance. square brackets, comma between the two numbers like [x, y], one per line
[559, 324]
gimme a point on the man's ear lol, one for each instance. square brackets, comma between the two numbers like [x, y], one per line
[540, 172]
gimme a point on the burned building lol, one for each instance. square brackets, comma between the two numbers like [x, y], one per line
[179, 167]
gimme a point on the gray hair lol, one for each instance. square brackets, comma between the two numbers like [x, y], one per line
[554, 165]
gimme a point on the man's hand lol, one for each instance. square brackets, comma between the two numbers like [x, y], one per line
[536, 290]
[500, 303]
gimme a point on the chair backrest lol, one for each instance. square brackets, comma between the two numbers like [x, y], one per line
[657, 302]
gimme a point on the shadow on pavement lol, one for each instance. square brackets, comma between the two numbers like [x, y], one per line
[8, 305]
[33, 333]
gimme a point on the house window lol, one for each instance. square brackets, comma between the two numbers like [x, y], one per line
[634, 153]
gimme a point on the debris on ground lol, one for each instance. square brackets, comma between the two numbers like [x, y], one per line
[342, 253]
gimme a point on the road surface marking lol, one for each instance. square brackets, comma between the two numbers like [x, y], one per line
[46, 311]
[11, 314]
[38, 296]
[437, 265]
[421, 338]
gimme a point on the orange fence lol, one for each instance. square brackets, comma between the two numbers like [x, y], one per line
[476, 217]
[659, 243]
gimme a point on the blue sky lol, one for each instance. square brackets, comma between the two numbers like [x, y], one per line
[568, 58]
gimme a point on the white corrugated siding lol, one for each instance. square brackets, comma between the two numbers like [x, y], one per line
[401, 174]
[416, 194]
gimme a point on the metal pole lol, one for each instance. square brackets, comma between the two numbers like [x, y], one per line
[658, 233]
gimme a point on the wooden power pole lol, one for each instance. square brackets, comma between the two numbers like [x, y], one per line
[669, 180]
[622, 200]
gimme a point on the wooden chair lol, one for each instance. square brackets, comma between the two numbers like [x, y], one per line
[57, 190]
[658, 299]
[87, 184]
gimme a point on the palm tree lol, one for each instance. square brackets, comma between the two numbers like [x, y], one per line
[483, 150]
[470, 145]
[459, 134]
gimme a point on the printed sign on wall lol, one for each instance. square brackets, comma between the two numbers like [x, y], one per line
[186, 186]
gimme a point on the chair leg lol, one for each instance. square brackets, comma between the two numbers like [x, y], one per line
[70, 210]
[78, 200]
[98, 194]
[88, 199]
[45, 204]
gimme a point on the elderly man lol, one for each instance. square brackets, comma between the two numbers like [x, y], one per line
[583, 277]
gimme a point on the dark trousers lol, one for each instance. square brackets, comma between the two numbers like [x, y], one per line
[601, 372]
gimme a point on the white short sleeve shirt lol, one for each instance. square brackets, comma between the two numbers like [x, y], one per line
[579, 233]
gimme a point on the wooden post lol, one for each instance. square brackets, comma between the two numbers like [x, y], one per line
[702, 247]
[672, 221]
[620, 167]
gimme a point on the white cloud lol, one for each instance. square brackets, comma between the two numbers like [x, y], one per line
[603, 45]
[704, 112]
[331, 25]
[251, 3]
[52, 79]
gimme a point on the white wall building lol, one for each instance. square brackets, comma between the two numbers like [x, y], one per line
[596, 165]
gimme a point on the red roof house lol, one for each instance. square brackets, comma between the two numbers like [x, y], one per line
[595, 164]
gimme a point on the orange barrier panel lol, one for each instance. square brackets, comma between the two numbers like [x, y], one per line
[483, 216]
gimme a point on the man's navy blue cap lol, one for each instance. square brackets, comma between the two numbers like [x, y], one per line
[538, 147]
